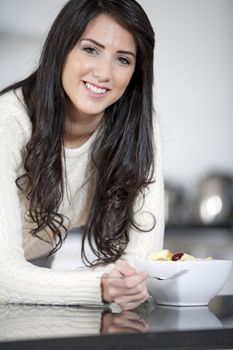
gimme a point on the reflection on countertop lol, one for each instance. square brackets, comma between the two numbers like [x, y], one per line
[27, 322]
[182, 318]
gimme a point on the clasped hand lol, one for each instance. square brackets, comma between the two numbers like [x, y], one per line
[124, 286]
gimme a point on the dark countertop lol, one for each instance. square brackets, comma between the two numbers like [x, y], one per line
[149, 327]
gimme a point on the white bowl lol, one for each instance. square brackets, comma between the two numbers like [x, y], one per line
[197, 287]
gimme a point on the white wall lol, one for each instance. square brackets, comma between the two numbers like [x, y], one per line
[194, 84]
[193, 74]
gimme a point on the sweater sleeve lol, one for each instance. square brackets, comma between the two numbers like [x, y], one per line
[22, 282]
[149, 211]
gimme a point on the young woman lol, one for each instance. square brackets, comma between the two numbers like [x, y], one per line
[79, 146]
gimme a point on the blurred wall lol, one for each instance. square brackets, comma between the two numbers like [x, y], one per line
[193, 93]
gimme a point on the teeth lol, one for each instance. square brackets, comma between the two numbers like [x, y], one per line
[95, 89]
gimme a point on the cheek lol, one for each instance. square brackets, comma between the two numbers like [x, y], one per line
[67, 75]
[71, 67]
[124, 80]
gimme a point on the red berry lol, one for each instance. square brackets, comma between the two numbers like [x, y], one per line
[177, 256]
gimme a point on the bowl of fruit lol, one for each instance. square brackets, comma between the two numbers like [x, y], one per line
[180, 279]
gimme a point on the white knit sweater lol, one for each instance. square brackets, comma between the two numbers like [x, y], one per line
[23, 282]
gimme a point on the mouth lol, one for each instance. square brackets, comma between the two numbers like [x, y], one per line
[95, 90]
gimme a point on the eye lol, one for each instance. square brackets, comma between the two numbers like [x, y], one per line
[124, 61]
[90, 50]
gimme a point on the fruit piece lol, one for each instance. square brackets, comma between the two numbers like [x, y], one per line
[169, 256]
[177, 256]
[187, 257]
[160, 254]
[166, 255]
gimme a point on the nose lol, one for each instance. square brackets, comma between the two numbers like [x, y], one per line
[103, 70]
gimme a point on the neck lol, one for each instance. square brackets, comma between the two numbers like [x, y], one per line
[78, 128]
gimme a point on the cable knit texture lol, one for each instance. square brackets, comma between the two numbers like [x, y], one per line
[23, 282]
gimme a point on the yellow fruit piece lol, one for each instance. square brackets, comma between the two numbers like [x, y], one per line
[187, 257]
[162, 254]
[169, 256]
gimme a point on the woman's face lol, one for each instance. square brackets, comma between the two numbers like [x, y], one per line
[99, 68]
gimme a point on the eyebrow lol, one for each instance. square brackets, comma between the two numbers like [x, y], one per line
[103, 47]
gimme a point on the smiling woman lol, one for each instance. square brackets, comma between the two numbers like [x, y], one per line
[80, 147]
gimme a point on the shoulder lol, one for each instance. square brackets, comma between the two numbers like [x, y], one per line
[12, 102]
[12, 99]
[13, 113]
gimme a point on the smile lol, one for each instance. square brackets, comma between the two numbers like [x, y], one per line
[94, 90]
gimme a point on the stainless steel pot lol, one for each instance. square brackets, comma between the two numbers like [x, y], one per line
[214, 200]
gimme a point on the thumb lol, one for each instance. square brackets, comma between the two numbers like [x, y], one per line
[143, 274]
[125, 269]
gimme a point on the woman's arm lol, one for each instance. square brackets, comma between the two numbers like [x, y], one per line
[22, 282]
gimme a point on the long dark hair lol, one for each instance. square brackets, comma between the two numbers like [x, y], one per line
[123, 153]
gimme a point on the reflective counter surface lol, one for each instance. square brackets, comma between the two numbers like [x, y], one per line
[150, 326]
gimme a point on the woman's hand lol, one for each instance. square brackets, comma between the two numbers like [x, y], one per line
[124, 286]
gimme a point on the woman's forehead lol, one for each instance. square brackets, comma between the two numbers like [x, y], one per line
[109, 31]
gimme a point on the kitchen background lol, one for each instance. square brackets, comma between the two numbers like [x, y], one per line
[193, 98]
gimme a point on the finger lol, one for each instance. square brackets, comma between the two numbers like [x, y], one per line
[125, 269]
[124, 301]
[128, 283]
[139, 298]
[131, 305]
[138, 293]
[128, 286]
